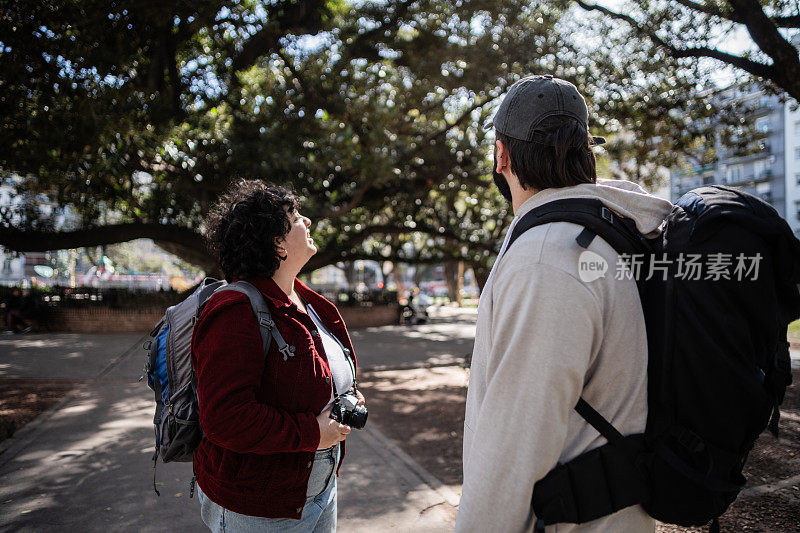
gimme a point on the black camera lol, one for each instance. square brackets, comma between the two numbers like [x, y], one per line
[346, 410]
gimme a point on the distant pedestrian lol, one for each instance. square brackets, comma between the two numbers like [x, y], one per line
[20, 310]
[271, 453]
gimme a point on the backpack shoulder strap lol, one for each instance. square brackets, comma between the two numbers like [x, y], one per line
[266, 324]
[593, 215]
[208, 287]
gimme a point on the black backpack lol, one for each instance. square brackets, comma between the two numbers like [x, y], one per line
[718, 358]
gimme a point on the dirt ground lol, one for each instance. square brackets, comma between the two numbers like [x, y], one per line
[431, 403]
[422, 410]
[22, 400]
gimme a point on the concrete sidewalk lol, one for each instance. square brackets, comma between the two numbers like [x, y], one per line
[85, 464]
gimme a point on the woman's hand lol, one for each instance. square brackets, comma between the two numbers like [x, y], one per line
[361, 400]
[330, 431]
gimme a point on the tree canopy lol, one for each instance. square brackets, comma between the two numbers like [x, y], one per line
[136, 115]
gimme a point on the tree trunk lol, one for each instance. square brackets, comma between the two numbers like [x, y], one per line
[398, 280]
[418, 272]
[481, 273]
[350, 274]
[454, 276]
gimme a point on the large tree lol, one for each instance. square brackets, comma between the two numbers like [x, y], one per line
[135, 116]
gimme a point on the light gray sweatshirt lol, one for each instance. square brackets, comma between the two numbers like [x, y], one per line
[545, 338]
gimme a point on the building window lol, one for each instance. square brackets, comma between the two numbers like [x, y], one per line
[797, 210]
[797, 128]
[797, 178]
[759, 168]
[733, 173]
[797, 154]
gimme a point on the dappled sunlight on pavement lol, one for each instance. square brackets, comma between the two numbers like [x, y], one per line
[91, 470]
[444, 340]
[61, 355]
[87, 464]
[377, 492]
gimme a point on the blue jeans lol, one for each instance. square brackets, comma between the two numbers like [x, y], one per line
[319, 512]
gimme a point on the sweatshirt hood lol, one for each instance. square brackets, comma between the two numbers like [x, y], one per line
[626, 198]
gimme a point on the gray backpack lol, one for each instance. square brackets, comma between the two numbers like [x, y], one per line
[171, 376]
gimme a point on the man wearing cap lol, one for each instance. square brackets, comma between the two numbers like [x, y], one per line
[547, 333]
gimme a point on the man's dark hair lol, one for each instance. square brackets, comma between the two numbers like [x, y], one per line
[242, 227]
[559, 156]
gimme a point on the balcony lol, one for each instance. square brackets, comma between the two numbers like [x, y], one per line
[766, 175]
[761, 177]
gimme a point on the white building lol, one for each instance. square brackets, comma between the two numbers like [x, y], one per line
[792, 165]
[766, 165]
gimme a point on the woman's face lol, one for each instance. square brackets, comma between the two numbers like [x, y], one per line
[298, 243]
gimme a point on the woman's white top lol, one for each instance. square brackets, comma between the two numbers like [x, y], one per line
[341, 370]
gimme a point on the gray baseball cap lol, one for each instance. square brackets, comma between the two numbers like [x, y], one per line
[534, 98]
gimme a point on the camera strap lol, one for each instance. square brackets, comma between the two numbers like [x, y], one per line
[347, 355]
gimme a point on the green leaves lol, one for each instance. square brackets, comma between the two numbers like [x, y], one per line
[372, 111]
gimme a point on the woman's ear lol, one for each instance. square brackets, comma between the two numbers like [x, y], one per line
[279, 245]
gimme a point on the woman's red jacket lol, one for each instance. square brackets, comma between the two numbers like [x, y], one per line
[258, 413]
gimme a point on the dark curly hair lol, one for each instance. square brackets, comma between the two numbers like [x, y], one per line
[242, 227]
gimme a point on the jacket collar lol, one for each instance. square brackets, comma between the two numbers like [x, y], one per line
[307, 294]
[271, 291]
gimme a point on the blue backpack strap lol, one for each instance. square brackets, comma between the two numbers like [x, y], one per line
[266, 324]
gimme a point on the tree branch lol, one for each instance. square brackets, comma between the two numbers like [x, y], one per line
[298, 17]
[781, 21]
[352, 204]
[789, 21]
[181, 241]
[748, 65]
[766, 35]
[357, 44]
[448, 126]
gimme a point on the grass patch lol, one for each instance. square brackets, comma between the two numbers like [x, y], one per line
[794, 330]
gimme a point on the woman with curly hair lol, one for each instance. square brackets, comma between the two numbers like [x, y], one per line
[270, 453]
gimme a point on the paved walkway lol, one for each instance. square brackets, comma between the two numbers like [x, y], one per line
[85, 464]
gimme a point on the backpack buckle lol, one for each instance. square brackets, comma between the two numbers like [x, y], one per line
[265, 320]
[689, 440]
[287, 351]
[607, 215]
